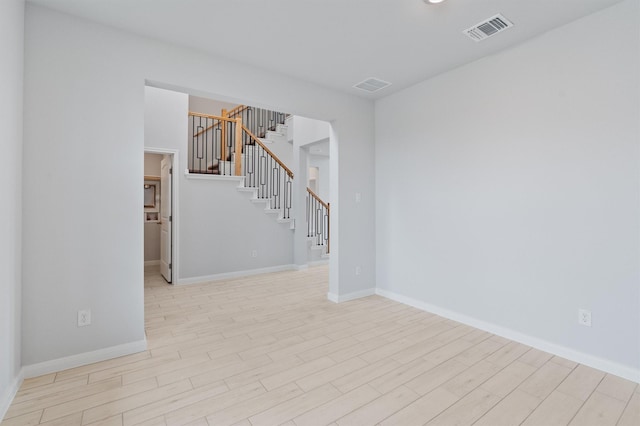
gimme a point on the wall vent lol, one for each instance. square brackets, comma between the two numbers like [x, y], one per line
[372, 85]
[488, 28]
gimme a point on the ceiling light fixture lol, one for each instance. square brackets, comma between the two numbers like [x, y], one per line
[433, 1]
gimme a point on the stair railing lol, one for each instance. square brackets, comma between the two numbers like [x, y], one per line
[225, 146]
[318, 214]
[265, 172]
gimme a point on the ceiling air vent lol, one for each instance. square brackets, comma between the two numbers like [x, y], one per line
[372, 85]
[487, 28]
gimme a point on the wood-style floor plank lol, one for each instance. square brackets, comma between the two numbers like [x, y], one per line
[556, 410]
[599, 410]
[631, 413]
[338, 407]
[423, 409]
[272, 350]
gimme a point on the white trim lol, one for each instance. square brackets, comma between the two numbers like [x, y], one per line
[301, 267]
[337, 298]
[204, 176]
[175, 204]
[605, 365]
[151, 262]
[78, 360]
[236, 274]
[7, 398]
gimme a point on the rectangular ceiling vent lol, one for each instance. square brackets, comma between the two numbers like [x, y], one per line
[488, 28]
[372, 85]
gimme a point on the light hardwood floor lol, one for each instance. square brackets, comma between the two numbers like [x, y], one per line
[271, 350]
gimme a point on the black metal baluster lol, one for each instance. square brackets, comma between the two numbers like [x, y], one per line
[288, 194]
[263, 177]
[193, 132]
[206, 147]
[307, 212]
[218, 147]
[199, 144]
[326, 227]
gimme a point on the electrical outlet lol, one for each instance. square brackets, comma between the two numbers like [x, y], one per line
[584, 317]
[358, 197]
[358, 270]
[84, 318]
[254, 253]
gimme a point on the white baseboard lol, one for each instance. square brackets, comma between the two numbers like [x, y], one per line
[339, 298]
[301, 267]
[85, 358]
[236, 274]
[605, 365]
[7, 397]
[151, 262]
[319, 262]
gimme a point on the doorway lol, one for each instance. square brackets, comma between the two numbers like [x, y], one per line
[159, 213]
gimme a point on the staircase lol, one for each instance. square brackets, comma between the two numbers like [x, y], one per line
[235, 144]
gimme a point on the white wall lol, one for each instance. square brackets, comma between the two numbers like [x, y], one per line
[11, 71]
[76, 89]
[507, 190]
[307, 130]
[219, 226]
[209, 106]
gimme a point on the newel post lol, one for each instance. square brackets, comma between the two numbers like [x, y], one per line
[238, 150]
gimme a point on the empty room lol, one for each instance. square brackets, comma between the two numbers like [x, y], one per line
[336, 212]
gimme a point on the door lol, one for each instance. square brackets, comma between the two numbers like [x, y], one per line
[166, 218]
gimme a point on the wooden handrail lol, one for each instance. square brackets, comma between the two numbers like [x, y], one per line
[259, 142]
[214, 117]
[314, 195]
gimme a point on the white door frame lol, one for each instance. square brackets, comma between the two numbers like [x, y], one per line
[175, 210]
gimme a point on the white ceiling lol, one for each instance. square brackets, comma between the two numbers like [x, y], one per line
[335, 43]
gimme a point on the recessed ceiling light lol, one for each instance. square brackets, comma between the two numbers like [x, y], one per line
[433, 1]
